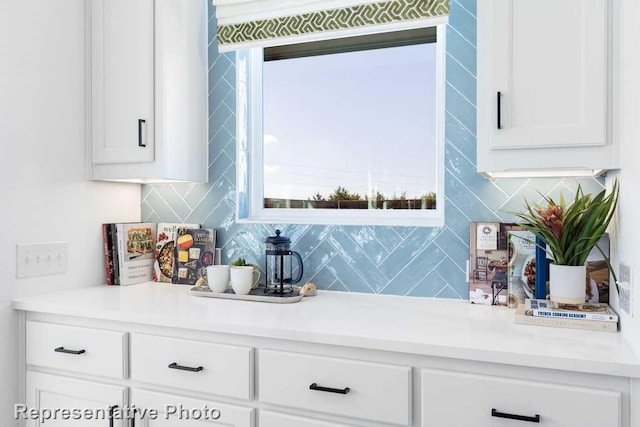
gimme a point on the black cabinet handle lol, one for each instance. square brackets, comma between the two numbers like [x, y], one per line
[499, 110]
[174, 365]
[140, 122]
[315, 386]
[64, 350]
[534, 419]
[111, 409]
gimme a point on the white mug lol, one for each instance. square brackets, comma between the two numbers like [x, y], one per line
[218, 277]
[242, 279]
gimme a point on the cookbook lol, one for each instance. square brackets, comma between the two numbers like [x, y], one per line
[194, 250]
[164, 259]
[135, 246]
[563, 322]
[588, 311]
[107, 238]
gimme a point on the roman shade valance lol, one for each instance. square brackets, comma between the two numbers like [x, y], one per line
[263, 23]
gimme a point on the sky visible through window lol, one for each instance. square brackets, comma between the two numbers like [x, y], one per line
[365, 121]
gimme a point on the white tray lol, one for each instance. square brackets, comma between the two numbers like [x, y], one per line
[255, 295]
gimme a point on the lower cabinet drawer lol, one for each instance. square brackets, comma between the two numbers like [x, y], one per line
[350, 388]
[275, 419]
[192, 365]
[83, 350]
[169, 410]
[452, 399]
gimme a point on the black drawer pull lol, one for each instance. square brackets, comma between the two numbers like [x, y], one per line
[174, 365]
[316, 387]
[499, 110]
[140, 122]
[64, 350]
[534, 419]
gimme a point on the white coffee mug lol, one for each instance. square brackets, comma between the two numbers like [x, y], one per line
[242, 279]
[218, 277]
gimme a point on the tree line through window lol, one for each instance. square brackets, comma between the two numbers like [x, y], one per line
[341, 198]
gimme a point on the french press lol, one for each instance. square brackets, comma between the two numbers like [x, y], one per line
[279, 264]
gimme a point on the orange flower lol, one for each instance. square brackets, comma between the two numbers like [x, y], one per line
[552, 217]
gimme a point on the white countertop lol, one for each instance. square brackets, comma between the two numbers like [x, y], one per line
[423, 326]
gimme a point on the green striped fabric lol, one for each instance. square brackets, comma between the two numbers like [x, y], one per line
[330, 20]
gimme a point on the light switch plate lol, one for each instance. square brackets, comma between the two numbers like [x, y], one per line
[41, 259]
[625, 288]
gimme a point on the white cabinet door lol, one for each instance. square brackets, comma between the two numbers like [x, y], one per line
[543, 83]
[122, 80]
[172, 410]
[275, 419]
[53, 392]
[451, 399]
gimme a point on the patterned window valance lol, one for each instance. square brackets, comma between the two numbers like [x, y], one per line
[262, 23]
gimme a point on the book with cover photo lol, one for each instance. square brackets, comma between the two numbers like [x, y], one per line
[135, 248]
[489, 262]
[194, 251]
[164, 259]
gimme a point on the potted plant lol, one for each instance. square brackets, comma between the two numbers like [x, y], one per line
[570, 233]
[241, 262]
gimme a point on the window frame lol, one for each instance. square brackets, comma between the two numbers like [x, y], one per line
[250, 162]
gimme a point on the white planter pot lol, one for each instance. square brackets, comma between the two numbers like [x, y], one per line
[567, 283]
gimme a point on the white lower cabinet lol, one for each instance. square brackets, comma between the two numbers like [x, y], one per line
[205, 379]
[275, 419]
[52, 392]
[451, 399]
[155, 409]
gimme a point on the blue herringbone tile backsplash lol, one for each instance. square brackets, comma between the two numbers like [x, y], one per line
[354, 258]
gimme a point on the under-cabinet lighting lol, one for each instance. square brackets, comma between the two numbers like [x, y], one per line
[560, 173]
[148, 181]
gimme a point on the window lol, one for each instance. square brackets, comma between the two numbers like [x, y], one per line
[343, 131]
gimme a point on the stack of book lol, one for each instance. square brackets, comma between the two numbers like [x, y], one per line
[589, 316]
[177, 253]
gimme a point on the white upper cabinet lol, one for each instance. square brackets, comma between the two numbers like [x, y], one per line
[122, 81]
[544, 85]
[148, 90]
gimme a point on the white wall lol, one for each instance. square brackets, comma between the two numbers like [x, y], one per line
[44, 195]
[627, 229]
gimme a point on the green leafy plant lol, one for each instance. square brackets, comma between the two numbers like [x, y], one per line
[240, 262]
[571, 232]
